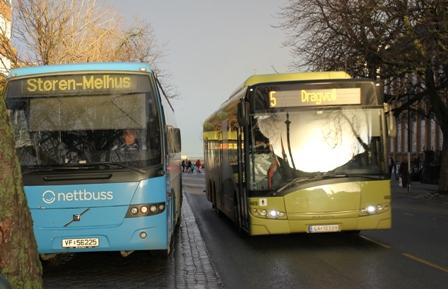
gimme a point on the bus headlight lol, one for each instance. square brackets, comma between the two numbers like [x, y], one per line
[143, 210]
[268, 213]
[133, 210]
[373, 209]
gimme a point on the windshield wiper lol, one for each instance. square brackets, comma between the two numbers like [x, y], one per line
[52, 168]
[320, 176]
[123, 166]
[79, 168]
[368, 176]
[330, 175]
[296, 180]
[103, 166]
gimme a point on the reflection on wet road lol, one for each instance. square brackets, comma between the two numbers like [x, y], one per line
[110, 270]
[312, 261]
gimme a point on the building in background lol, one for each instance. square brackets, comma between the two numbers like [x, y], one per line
[422, 137]
[5, 30]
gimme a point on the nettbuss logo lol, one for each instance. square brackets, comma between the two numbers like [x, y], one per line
[49, 197]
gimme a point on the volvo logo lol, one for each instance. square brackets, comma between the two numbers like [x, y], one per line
[49, 197]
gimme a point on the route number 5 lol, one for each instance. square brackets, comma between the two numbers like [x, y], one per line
[272, 99]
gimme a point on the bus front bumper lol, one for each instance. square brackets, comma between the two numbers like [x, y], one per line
[265, 226]
[146, 233]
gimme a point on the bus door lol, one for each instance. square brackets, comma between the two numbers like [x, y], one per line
[242, 208]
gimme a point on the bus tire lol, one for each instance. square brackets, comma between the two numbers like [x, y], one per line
[164, 253]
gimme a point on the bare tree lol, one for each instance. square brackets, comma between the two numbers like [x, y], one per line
[404, 42]
[74, 31]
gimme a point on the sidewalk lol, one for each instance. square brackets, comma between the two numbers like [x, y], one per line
[193, 180]
[193, 267]
[420, 191]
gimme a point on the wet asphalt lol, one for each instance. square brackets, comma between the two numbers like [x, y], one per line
[413, 254]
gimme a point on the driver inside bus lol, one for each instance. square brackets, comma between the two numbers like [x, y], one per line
[126, 148]
[128, 141]
[265, 162]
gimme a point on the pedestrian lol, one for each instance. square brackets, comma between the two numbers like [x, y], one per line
[192, 167]
[189, 169]
[391, 167]
[198, 166]
[183, 166]
[404, 175]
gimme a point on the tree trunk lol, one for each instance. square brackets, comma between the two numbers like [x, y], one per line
[19, 261]
[440, 109]
[443, 174]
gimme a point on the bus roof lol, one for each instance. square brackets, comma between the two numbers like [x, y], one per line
[279, 77]
[283, 77]
[99, 66]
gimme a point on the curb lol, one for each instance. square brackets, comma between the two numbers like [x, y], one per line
[193, 267]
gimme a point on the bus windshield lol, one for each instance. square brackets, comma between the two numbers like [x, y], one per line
[120, 128]
[314, 144]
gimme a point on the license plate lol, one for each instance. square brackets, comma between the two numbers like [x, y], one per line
[323, 228]
[81, 243]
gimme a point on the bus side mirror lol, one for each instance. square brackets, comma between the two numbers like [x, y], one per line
[178, 142]
[174, 142]
[390, 121]
[242, 113]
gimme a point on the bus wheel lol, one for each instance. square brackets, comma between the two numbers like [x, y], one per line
[237, 220]
[217, 211]
[168, 252]
[179, 221]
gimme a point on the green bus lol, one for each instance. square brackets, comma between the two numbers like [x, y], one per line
[300, 152]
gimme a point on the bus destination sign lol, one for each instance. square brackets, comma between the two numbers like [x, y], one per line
[314, 97]
[66, 84]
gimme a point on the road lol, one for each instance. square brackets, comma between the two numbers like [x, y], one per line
[110, 270]
[413, 254]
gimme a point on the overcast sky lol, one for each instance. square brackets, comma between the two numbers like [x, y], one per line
[210, 47]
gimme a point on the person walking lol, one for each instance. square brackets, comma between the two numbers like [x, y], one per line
[198, 166]
[392, 167]
[189, 167]
[404, 174]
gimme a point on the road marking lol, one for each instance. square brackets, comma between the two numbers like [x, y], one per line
[410, 256]
[423, 261]
[375, 242]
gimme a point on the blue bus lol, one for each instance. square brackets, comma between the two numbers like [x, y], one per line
[100, 152]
